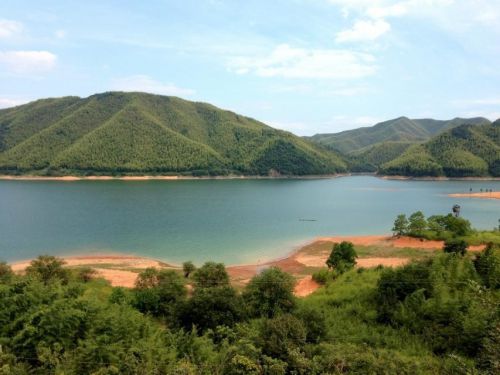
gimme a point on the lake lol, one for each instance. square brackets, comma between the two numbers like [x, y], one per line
[233, 221]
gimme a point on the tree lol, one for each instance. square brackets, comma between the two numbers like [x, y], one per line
[158, 291]
[455, 246]
[86, 274]
[457, 225]
[343, 257]
[400, 225]
[211, 307]
[417, 223]
[270, 292]
[48, 268]
[211, 275]
[487, 264]
[6, 273]
[282, 335]
[188, 268]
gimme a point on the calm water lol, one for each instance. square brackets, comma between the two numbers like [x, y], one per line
[233, 221]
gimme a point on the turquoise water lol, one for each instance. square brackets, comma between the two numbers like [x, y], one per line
[233, 221]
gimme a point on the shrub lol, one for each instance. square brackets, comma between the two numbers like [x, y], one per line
[455, 246]
[270, 293]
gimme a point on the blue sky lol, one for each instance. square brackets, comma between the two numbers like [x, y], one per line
[307, 66]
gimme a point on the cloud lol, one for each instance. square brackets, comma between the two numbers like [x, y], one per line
[9, 28]
[363, 31]
[144, 83]
[7, 102]
[28, 62]
[289, 62]
[374, 14]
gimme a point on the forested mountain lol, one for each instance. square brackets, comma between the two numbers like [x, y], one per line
[116, 133]
[370, 158]
[401, 129]
[467, 150]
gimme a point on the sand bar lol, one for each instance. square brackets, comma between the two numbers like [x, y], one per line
[484, 195]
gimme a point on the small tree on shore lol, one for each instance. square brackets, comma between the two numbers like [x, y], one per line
[48, 268]
[211, 275]
[400, 225]
[188, 268]
[343, 257]
[417, 223]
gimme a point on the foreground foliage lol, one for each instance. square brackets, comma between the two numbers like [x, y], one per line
[436, 316]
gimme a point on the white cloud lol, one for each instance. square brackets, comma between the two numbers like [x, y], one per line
[373, 15]
[9, 28]
[7, 102]
[144, 83]
[289, 62]
[366, 30]
[28, 62]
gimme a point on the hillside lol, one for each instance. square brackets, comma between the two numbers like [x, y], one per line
[370, 158]
[401, 129]
[467, 150]
[117, 133]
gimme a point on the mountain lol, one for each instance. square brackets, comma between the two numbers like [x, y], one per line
[370, 158]
[116, 133]
[401, 129]
[467, 150]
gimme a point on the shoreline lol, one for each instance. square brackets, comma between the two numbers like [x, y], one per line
[483, 195]
[122, 269]
[164, 177]
[71, 178]
[436, 178]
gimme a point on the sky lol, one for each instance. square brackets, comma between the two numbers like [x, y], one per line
[307, 66]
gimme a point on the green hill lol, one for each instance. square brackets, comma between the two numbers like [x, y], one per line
[116, 133]
[370, 158]
[467, 150]
[401, 129]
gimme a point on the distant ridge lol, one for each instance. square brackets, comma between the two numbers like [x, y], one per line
[138, 133]
[401, 129]
[464, 151]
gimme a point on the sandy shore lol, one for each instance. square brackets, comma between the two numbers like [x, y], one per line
[485, 195]
[122, 270]
[147, 178]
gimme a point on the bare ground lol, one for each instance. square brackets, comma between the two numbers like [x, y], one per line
[122, 270]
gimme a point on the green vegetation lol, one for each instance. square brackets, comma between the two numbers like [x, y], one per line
[440, 315]
[454, 148]
[370, 158]
[342, 258]
[455, 246]
[119, 133]
[397, 133]
[188, 268]
[133, 133]
[443, 227]
[467, 150]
